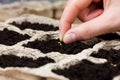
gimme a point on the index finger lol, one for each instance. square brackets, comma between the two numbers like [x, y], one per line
[70, 13]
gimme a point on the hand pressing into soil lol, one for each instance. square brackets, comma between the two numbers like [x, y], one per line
[98, 16]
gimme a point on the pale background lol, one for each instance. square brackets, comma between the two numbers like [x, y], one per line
[9, 1]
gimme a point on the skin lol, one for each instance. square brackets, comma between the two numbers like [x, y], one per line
[98, 16]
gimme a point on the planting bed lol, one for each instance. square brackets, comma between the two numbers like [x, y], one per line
[113, 56]
[34, 49]
[8, 37]
[15, 61]
[110, 36]
[55, 45]
[35, 26]
[86, 70]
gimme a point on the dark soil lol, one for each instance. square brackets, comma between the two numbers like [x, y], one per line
[110, 36]
[8, 37]
[55, 45]
[15, 61]
[86, 70]
[113, 56]
[35, 26]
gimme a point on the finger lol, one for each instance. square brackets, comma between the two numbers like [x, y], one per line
[87, 15]
[91, 12]
[70, 13]
[90, 29]
[97, 0]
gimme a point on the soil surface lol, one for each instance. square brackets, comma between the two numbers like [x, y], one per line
[8, 37]
[35, 26]
[113, 56]
[55, 45]
[110, 36]
[15, 61]
[86, 70]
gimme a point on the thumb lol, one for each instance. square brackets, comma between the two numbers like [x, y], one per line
[90, 29]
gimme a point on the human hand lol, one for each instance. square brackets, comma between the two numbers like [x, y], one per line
[97, 20]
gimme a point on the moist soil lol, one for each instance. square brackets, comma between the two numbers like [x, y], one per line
[15, 61]
[8, 37]
[54, 45]
[35, 26]
[86, 70]
[110, 36]
[113, 56]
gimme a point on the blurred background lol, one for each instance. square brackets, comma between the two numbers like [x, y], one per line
[9, 1]
[48, 8]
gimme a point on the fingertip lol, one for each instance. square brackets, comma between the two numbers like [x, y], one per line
[61, 31]
[69, 38]
[64, 26]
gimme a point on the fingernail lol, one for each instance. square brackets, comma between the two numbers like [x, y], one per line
[69, 38]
